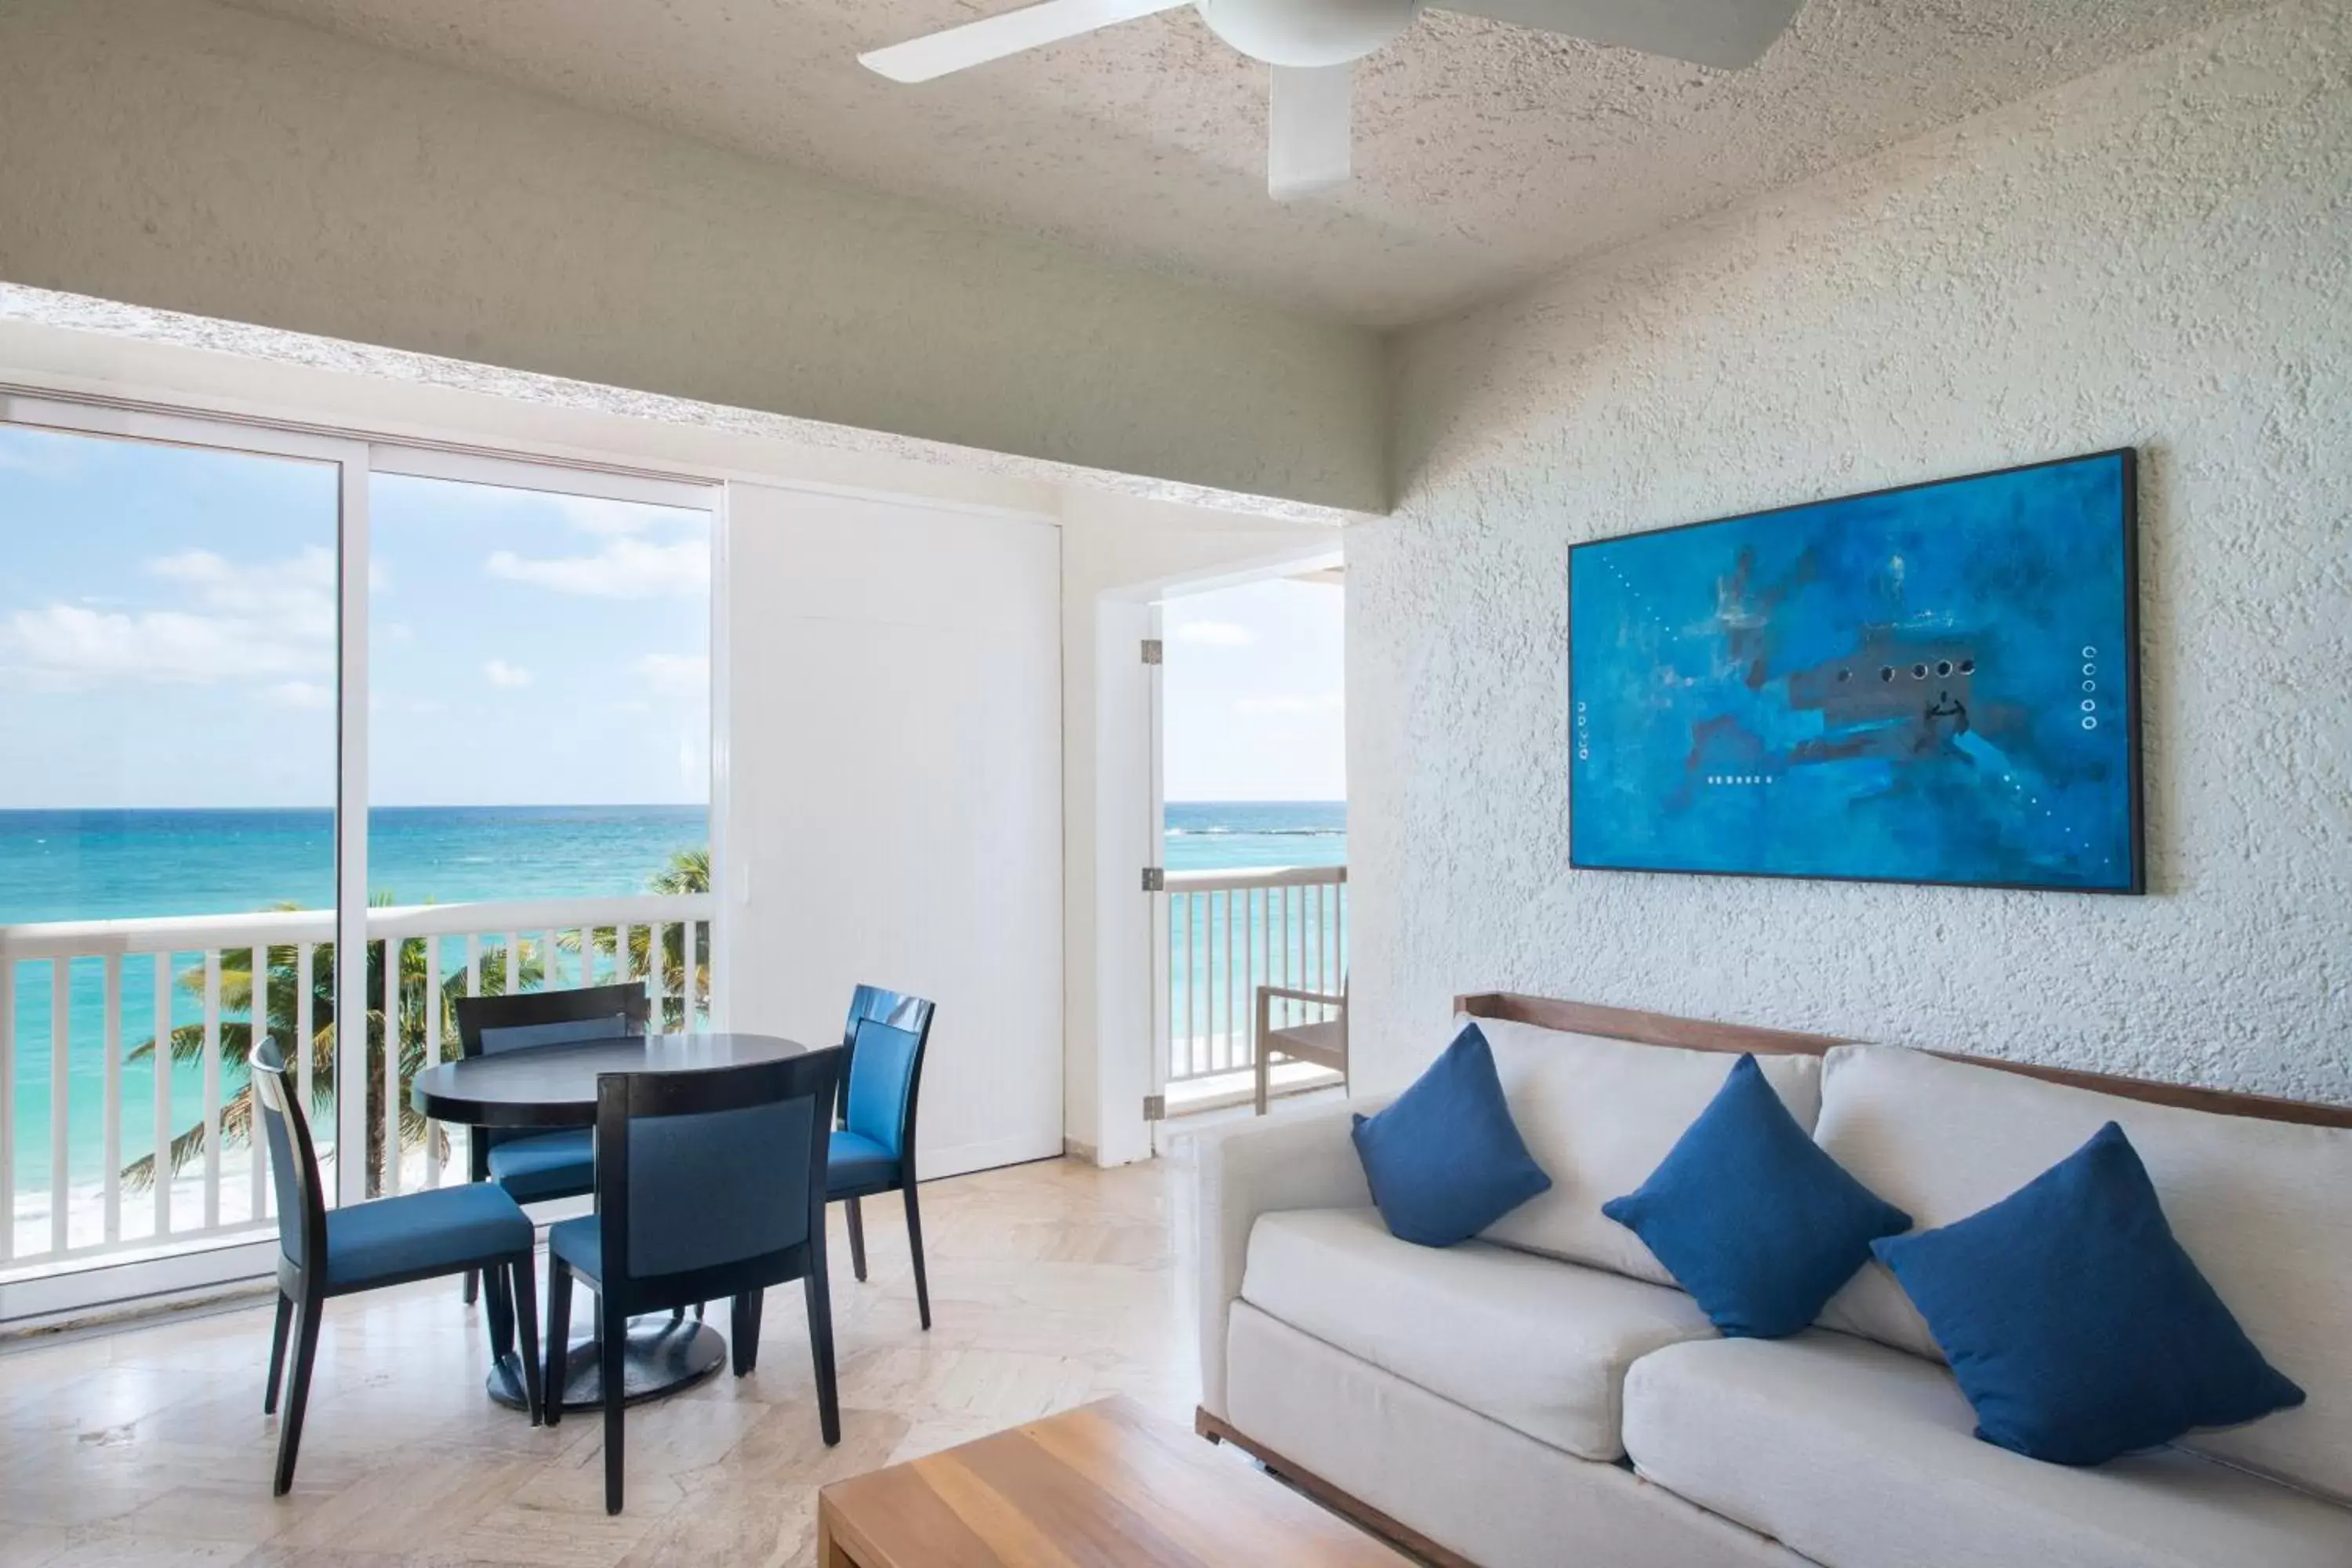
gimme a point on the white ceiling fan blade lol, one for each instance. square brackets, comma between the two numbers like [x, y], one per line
[1728, 34]
[1308, 130]
[994, 37]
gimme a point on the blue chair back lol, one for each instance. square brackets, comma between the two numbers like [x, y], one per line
[487, 1026]
[885, 1040]
[703, 1170]
[535, 1020]
[293, 1163]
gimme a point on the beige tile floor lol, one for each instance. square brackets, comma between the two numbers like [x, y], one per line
[1050, 1284]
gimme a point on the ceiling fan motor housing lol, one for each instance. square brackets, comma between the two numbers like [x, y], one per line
[1307, 33]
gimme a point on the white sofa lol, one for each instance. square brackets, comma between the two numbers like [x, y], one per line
[1546, 1395]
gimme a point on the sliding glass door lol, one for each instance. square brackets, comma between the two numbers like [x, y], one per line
[539, 758]
[170, 617]
[300, 740]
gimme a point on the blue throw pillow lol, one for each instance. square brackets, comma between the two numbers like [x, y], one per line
[1752, 1216]
[1444, 1158]
[2076, 1325]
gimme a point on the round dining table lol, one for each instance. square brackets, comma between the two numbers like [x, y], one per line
[552, 1087]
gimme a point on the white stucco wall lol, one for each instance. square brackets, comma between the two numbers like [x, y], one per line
[2159, 255]
[181, 155]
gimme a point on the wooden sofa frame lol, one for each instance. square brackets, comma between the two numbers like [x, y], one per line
[1695, 1034]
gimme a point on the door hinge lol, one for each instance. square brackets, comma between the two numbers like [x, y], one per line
[1152, 649]
[1155, 880]
[1155, 1108]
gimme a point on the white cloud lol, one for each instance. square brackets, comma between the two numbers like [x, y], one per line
[685, 674]
[625, 568]
[296, 595]
[1215, 634]
[609, 519]
[305, 694]
[1321, 702]
[510, 676]
[272, 620]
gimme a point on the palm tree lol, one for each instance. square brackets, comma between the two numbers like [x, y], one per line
[686, 871]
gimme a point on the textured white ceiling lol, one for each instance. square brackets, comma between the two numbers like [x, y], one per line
[1486, 154]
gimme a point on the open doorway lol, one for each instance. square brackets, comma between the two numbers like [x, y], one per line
[1254, 836]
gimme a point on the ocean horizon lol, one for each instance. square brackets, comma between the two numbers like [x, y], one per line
[71, 865]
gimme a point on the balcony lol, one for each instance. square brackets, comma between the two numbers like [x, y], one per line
[104, 1201]
[1228, 933]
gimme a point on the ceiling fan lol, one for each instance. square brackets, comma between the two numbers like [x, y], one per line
[1312, 46]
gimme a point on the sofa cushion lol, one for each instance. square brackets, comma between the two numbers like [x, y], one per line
[1756, 1223]
[2264, 1208]
[1861, 1456]
[1538, 1345]
[1598, 1115]
[2075, 1324]
[1442, 1160]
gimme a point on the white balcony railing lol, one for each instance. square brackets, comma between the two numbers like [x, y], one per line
[173, 1000]
[1232, 931]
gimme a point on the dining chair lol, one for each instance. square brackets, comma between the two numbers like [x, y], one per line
[873, 1144]
[536, 1166]
[708, 1184]
[325, 1253]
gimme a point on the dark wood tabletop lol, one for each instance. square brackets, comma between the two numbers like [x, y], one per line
[555, 1086]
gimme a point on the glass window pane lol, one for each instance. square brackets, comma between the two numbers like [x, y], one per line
[539, 667]
[167, 748]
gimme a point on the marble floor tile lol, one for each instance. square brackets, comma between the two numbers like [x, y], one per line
[1050, 1284]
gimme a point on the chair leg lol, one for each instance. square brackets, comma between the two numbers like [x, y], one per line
[526, 1300]
[915, 1246]
[820, 1321]
[747, 1337]
[277, 1354]
[613, 1330]
[498, 1312]
[559, 1337]
[1259, 1070]
[473, 1285]
[856, 1239]
[298, 1393]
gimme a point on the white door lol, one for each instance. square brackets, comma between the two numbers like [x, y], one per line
[893, 795]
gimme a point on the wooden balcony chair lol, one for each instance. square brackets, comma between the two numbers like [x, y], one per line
[323, 1254]
[708, 1185]
[873, 1148]
[1323, 1042]
[534, 1166]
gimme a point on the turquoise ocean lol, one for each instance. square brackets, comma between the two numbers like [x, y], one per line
[107, 865]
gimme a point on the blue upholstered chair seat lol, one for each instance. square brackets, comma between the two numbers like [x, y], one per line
[441, 1231]
[579, 1243]
[854, 1160]
[547, 1166]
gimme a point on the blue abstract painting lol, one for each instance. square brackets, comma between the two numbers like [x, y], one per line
[1932, 684]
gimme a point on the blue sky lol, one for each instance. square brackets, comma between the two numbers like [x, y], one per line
[167, 639]
[167, 636]
[1252, 694]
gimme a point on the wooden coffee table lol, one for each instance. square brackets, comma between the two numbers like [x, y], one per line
[1103, 1484]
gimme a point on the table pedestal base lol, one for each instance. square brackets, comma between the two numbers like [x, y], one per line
[660, 1357]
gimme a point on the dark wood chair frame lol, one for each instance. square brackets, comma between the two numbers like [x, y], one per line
[621, 1097]
[913, 1014]
[521, 1009]
[303, 1291]
[1695, 1034]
